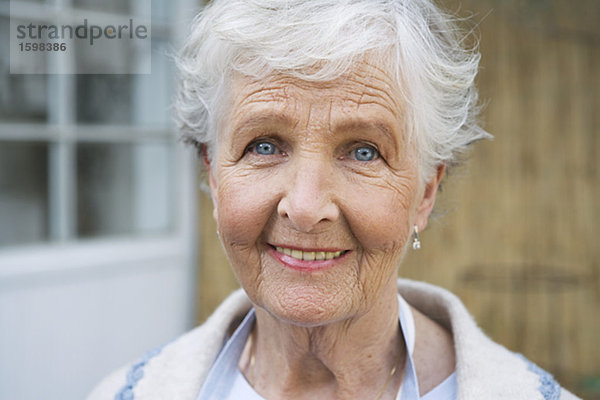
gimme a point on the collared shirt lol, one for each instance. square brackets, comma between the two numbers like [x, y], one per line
[226, 382]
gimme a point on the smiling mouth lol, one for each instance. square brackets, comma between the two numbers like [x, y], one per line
[310, 255]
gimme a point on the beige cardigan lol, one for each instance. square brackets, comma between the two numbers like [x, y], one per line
[485, 370]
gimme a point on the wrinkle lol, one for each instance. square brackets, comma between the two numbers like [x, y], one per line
[263, 95]
[329, 115]
[360, 100]
[308, 117]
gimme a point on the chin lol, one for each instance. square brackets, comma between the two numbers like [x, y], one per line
[307, 307]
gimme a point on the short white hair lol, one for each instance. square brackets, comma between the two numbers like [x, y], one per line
[320, 40]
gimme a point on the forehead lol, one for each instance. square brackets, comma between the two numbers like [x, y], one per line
[367, 93]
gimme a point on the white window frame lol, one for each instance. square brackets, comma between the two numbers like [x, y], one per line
[64, 252]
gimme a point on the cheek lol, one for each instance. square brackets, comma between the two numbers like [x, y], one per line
[380, 215]
[243, 209]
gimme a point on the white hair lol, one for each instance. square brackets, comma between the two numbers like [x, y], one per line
[320, 40]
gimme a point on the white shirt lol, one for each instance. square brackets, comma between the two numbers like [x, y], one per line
[444, 391]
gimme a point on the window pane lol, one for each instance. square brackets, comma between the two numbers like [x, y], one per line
[162, 11]
[22, 97]
[104, 99]
[123, 188]
[153, 92]
[109, 6]
[134, 99]
[23, 192]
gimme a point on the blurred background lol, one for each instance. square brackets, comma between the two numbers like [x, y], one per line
[97, 207]
[108, 247]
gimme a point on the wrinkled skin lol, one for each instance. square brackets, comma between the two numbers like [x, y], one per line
[320, 166]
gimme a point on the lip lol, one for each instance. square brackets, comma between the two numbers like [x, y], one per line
[304, 265]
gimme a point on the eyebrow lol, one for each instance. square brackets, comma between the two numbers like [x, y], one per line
[262, 119]
[361, 125]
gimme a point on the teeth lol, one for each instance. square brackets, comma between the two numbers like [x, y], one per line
[309, 255]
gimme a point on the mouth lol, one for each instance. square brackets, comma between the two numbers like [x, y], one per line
[310, 255]
[307, 259]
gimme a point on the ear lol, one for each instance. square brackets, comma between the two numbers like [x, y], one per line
[211, 180]
[427, 200]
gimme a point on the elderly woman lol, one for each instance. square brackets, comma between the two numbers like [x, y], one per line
[326, 127]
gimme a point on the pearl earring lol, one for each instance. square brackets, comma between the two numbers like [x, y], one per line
[416, 244]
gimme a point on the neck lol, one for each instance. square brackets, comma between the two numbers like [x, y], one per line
[352, 358]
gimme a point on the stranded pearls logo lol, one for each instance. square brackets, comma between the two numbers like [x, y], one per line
[71, 40]
[84, 31]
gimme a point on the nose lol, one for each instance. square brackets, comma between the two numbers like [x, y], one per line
[308, 202]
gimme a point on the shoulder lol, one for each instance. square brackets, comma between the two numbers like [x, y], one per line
[484, 369]
[566, 395]
[178, 369]
[109, 386]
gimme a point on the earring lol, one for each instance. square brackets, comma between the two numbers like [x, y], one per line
[416, 244]
[218, 234]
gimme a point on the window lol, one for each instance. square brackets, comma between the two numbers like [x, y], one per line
[97, 219]
[88, 155]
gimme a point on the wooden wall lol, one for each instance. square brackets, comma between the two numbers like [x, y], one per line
[518, 235]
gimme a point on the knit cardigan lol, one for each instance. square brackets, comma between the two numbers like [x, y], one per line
[485, 370]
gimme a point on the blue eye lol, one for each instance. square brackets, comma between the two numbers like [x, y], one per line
[265, 148]
[365, 153]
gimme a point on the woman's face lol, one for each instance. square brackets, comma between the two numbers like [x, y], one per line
[316, 192]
